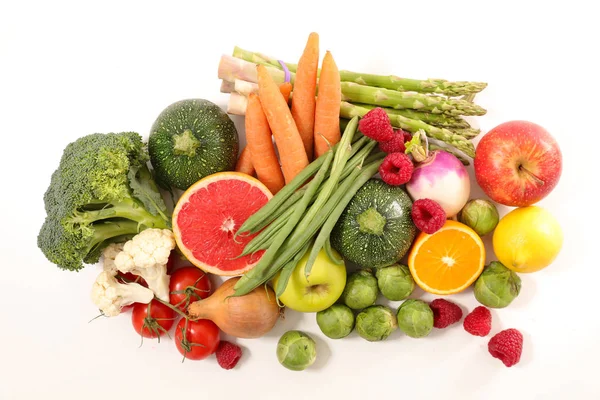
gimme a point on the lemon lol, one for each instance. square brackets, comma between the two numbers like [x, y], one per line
[527, 239]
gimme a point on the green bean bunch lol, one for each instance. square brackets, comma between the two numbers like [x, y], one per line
[301, 216]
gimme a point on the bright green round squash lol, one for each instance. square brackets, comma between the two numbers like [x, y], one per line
[192, 139]
[376, 228]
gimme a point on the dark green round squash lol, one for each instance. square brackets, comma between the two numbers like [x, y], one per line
[376, 228]
[192, 139]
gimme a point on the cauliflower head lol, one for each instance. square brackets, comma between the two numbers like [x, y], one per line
[146, 255]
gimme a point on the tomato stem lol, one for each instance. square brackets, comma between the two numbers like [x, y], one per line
[172, 307]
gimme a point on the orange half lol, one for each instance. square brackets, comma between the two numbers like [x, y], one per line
[447, 261]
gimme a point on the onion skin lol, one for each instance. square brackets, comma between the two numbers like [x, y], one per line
[249, 316]
[442, 178]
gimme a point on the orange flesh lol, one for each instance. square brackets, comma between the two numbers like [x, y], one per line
[445, 250]
[447, 261]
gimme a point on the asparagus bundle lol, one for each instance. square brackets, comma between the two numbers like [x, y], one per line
[440, 117]
[383, 81]
[231, 68]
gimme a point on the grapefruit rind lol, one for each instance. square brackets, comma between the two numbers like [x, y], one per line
[204, 182]
[423, 237]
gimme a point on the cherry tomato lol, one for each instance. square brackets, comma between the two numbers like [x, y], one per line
[197, 340]
[153, 319]
[187, 285]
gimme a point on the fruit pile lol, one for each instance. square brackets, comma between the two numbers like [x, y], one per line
[299, 219]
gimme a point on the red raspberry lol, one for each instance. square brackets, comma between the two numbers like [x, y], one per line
[428, 215]
[376, 125]
[395, 144]
[445, 313]
[228, 354]
[507, 346]
[478, 322]
[407, 136]
[396, 169]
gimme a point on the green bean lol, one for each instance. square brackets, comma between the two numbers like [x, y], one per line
[293, 199]
[334, 215]
[291, 247]
[247, 282]
[334, 257]
[288, 269]
[339, 161]
[264, 239]
[357, 159]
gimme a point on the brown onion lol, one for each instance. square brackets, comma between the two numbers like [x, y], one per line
[249, 316]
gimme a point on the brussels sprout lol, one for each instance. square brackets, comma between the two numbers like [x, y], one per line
[415, 318]
[497, 286]
[296, 350]
[336, 321]
[395, 282]
[361, 290]
[376, 323]
[481, 215]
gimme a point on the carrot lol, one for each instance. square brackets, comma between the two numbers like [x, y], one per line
[289, 143]
[286, 90]
[305, 89]
[258, 135]
[327, 111]
[244, 163]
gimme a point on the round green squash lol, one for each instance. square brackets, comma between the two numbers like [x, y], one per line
[376, 228]
[192, 139]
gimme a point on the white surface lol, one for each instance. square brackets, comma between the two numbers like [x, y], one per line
[70, 69]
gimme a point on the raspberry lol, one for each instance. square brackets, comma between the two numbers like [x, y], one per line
[507, 346]
[407, 136]
[395, 144]
[228, 354]
[478, 322]
[376, 125]
[396, 169]
[445, 313]
[428, 215]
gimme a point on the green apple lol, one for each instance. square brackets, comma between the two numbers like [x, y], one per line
[320, 290]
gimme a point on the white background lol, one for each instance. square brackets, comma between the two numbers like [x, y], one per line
[70, 69]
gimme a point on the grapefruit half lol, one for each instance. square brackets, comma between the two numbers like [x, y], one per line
[208, 215]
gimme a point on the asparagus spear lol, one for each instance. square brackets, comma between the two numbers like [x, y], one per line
[450, 150]
[237, 104]
[469, 133]
[393, 82]
[231, 68]
[389, 82]
[348, 110]
[440, 120]
[227, 87]
[357, 93]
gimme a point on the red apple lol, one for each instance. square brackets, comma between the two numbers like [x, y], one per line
[518, 163]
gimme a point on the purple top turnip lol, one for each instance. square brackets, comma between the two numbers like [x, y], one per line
[443, 178]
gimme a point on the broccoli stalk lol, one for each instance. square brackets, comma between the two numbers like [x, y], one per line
[101, 193]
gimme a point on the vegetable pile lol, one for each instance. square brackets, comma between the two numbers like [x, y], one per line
[351, 195]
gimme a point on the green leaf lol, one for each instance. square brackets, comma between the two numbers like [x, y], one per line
[145, 190]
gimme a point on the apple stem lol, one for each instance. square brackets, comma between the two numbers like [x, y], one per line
[532, 175]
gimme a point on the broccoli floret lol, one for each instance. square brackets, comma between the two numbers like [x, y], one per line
[101, 193]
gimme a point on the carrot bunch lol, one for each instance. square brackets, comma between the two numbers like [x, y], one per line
[303, 131]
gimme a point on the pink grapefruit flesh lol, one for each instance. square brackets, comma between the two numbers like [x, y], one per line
[208, 215]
